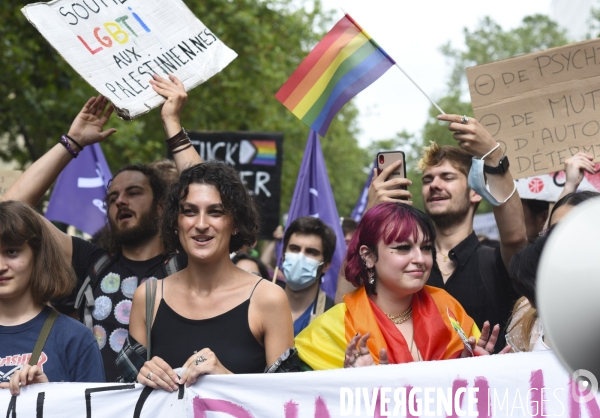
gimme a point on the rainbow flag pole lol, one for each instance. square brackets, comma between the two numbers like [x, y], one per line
[344, 63]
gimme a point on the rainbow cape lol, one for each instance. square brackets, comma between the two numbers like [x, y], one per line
[322, 344]
[344, 63]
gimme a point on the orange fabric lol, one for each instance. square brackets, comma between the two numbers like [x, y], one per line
[434, 334]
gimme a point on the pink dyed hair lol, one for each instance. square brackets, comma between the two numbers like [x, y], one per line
[390, 222]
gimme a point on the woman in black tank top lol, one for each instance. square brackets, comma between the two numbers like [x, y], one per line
[212, 317]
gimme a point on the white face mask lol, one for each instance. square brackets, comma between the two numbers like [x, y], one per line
[300, 271]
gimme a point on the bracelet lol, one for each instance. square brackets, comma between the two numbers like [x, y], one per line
[183, 149]
[65, 141]
[179, 139]
[75, 142]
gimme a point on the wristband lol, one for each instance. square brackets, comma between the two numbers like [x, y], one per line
[75, 142]
[65, 141]
[178, 140]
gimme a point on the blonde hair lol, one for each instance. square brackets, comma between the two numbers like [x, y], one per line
[526, 321]
[434, 155]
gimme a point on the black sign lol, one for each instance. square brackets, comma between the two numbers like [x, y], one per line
[258, 157]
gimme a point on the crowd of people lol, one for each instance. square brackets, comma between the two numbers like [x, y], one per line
[170, 283]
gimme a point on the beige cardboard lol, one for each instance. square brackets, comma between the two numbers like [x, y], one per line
[116, 46]
[7, 179]
[542, 107]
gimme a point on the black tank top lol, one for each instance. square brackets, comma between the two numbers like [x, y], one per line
[175, 338]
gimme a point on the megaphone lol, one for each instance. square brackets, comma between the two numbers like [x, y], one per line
[568, 292]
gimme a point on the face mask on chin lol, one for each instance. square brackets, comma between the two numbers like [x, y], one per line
[300, 271]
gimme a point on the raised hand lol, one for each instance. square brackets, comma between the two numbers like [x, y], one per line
[473, 137]
[574, 169]
[383, 190]
[174, 92]
[87, 127]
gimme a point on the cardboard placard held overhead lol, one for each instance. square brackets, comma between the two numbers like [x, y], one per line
[116, 46]
[542, 107]
[7, 179]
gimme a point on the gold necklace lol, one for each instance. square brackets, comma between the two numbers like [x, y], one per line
[446, 258]
[401, 317]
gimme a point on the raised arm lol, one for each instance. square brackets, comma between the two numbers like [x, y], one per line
[85, 130]
[477, 141]
[170, 114]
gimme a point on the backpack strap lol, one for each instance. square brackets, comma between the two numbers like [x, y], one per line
[171, 266]
[150, 298]
[41, 341]
[86, 291]
[319, 305]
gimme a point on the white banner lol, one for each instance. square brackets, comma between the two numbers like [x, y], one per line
[548, 187]
[515, 385]
[116, 46]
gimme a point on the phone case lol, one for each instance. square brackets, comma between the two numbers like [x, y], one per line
[386, 158]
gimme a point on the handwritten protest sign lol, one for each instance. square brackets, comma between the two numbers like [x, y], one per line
[117, 45]
[7, 178]
[515, 385]
[542, 107]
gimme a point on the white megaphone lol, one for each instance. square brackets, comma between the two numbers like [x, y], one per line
[568, 292]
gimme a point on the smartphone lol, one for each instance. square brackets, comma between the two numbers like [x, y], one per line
[387, 158]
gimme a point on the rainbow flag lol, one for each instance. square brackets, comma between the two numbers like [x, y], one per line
[266, 152]
[344, 63]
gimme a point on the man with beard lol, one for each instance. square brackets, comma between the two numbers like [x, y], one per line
[134, 203]
[476, 275]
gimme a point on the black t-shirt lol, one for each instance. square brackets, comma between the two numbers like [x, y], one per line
[113, 295]
[480, 283]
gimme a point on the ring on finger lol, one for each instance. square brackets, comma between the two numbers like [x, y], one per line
[200, 359]
[464, 120]
[356, 356]
[149, 376]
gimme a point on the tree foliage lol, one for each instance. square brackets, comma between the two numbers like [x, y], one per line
[41, 93]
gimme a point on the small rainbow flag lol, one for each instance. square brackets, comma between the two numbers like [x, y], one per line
[266, 152]
[344, 63]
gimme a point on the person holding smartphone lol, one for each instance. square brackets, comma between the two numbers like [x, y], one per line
[476, 275]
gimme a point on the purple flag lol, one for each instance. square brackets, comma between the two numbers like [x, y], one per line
[313, 197]
[78, 196]
[359, 209]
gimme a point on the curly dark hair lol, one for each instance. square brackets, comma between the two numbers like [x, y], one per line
[236, 202]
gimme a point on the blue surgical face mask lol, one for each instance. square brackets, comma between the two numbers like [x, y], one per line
[477, 183]
[300, 271]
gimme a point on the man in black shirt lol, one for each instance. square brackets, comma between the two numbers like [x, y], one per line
[134, 202]
[476, 275]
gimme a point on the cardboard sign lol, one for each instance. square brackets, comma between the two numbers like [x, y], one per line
[542, 107]
[117, 45]
[258, 157]
[7, 179]
[511, 385]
